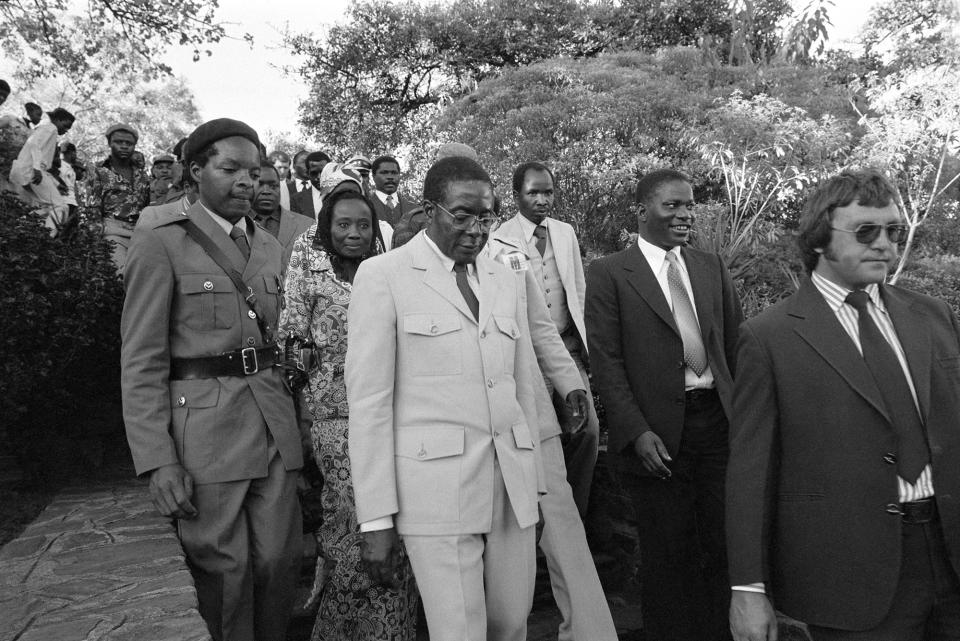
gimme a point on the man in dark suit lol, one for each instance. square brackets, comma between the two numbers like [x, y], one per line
[284, 225]
[207, 415]
[661, 324]
[390, 204]
[307, 201]
[844, 475]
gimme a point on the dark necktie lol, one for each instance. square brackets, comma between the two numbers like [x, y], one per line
[694, 353]
[541, 233]
[912, 453]
[240, 239]
[304, 184]
[460, 269]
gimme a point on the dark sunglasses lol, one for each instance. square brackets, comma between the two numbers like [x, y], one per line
[868, 232]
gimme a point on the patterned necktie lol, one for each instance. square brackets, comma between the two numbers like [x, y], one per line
[391, 203]
[694, 354]
[460, 269]
[541, 233]
[912, 452]
[240, 239]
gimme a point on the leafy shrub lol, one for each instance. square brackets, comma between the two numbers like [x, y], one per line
[940, 279]
[59, 343]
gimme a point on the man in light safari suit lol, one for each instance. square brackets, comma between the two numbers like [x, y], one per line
[221, 447]
[443, 425]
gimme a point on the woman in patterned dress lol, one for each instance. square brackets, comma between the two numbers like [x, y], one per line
[319, 280]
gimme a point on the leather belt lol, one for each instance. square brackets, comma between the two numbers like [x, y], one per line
[700, 394]
[240, 362]
[918, 512]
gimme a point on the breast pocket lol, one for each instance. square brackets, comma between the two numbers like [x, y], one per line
[209, 302]
[508, 331]
[434, 340]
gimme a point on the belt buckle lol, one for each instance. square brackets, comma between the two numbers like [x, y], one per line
[248, 357]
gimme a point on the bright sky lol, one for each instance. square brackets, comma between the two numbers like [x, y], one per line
[247, 83]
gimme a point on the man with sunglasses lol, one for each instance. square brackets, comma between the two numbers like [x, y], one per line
[443, 421]
[844, 473]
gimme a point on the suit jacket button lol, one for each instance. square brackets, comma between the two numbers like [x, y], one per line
[893, 508]
[181, 401]
[433, 329]
[490, 383]
[890, 458]
[496, 435]
[680, 364]
[483, 334]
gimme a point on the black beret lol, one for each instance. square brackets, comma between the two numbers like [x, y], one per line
[214, 130]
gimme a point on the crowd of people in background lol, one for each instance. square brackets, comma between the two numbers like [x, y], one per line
[433, 359]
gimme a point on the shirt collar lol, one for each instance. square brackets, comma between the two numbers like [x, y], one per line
[445, 260]
[527, 226]
[836, 295]
[655, 256]
[225, 224]
[383, 196]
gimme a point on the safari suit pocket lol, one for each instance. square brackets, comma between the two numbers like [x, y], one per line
[509, 330]
[193, 414]
[435, 340]
[428, 461]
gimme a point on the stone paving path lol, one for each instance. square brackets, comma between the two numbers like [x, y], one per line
[98, 563]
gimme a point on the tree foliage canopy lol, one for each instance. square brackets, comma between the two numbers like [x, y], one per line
[64, 36]
[377, 77]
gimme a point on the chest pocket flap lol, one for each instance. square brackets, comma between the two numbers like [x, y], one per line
[427, 443]
[507, 326]
[205, 284]
[431, 324]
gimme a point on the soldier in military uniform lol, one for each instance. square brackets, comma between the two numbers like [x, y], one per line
[117, 190]
[208, 418]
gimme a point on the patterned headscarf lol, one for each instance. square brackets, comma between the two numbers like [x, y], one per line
[335, 173]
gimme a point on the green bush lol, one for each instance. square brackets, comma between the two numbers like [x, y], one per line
[59, 331]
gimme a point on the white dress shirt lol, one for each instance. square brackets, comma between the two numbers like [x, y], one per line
[657, 259]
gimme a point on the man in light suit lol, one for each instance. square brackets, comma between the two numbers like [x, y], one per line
[843, 491]
[550, 249]
[662, 324]
[207, 416]
[443, 420]
[284, 225]
[573, 575]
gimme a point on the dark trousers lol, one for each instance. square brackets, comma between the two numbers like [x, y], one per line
[926, 604]
[685, 593]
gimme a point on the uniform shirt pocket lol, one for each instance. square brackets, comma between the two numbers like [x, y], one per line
[209, 301]
[434, 343]
[193, 407]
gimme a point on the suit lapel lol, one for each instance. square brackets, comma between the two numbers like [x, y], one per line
[258, 252]
[818, 326]
[700, 279]
[438, 278]
[287, 228]
[643, 280]
[488, 289]
[562, 249]
[209, 226]
[913, 331]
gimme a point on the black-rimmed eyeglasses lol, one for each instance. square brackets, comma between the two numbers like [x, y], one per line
[464, 222]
